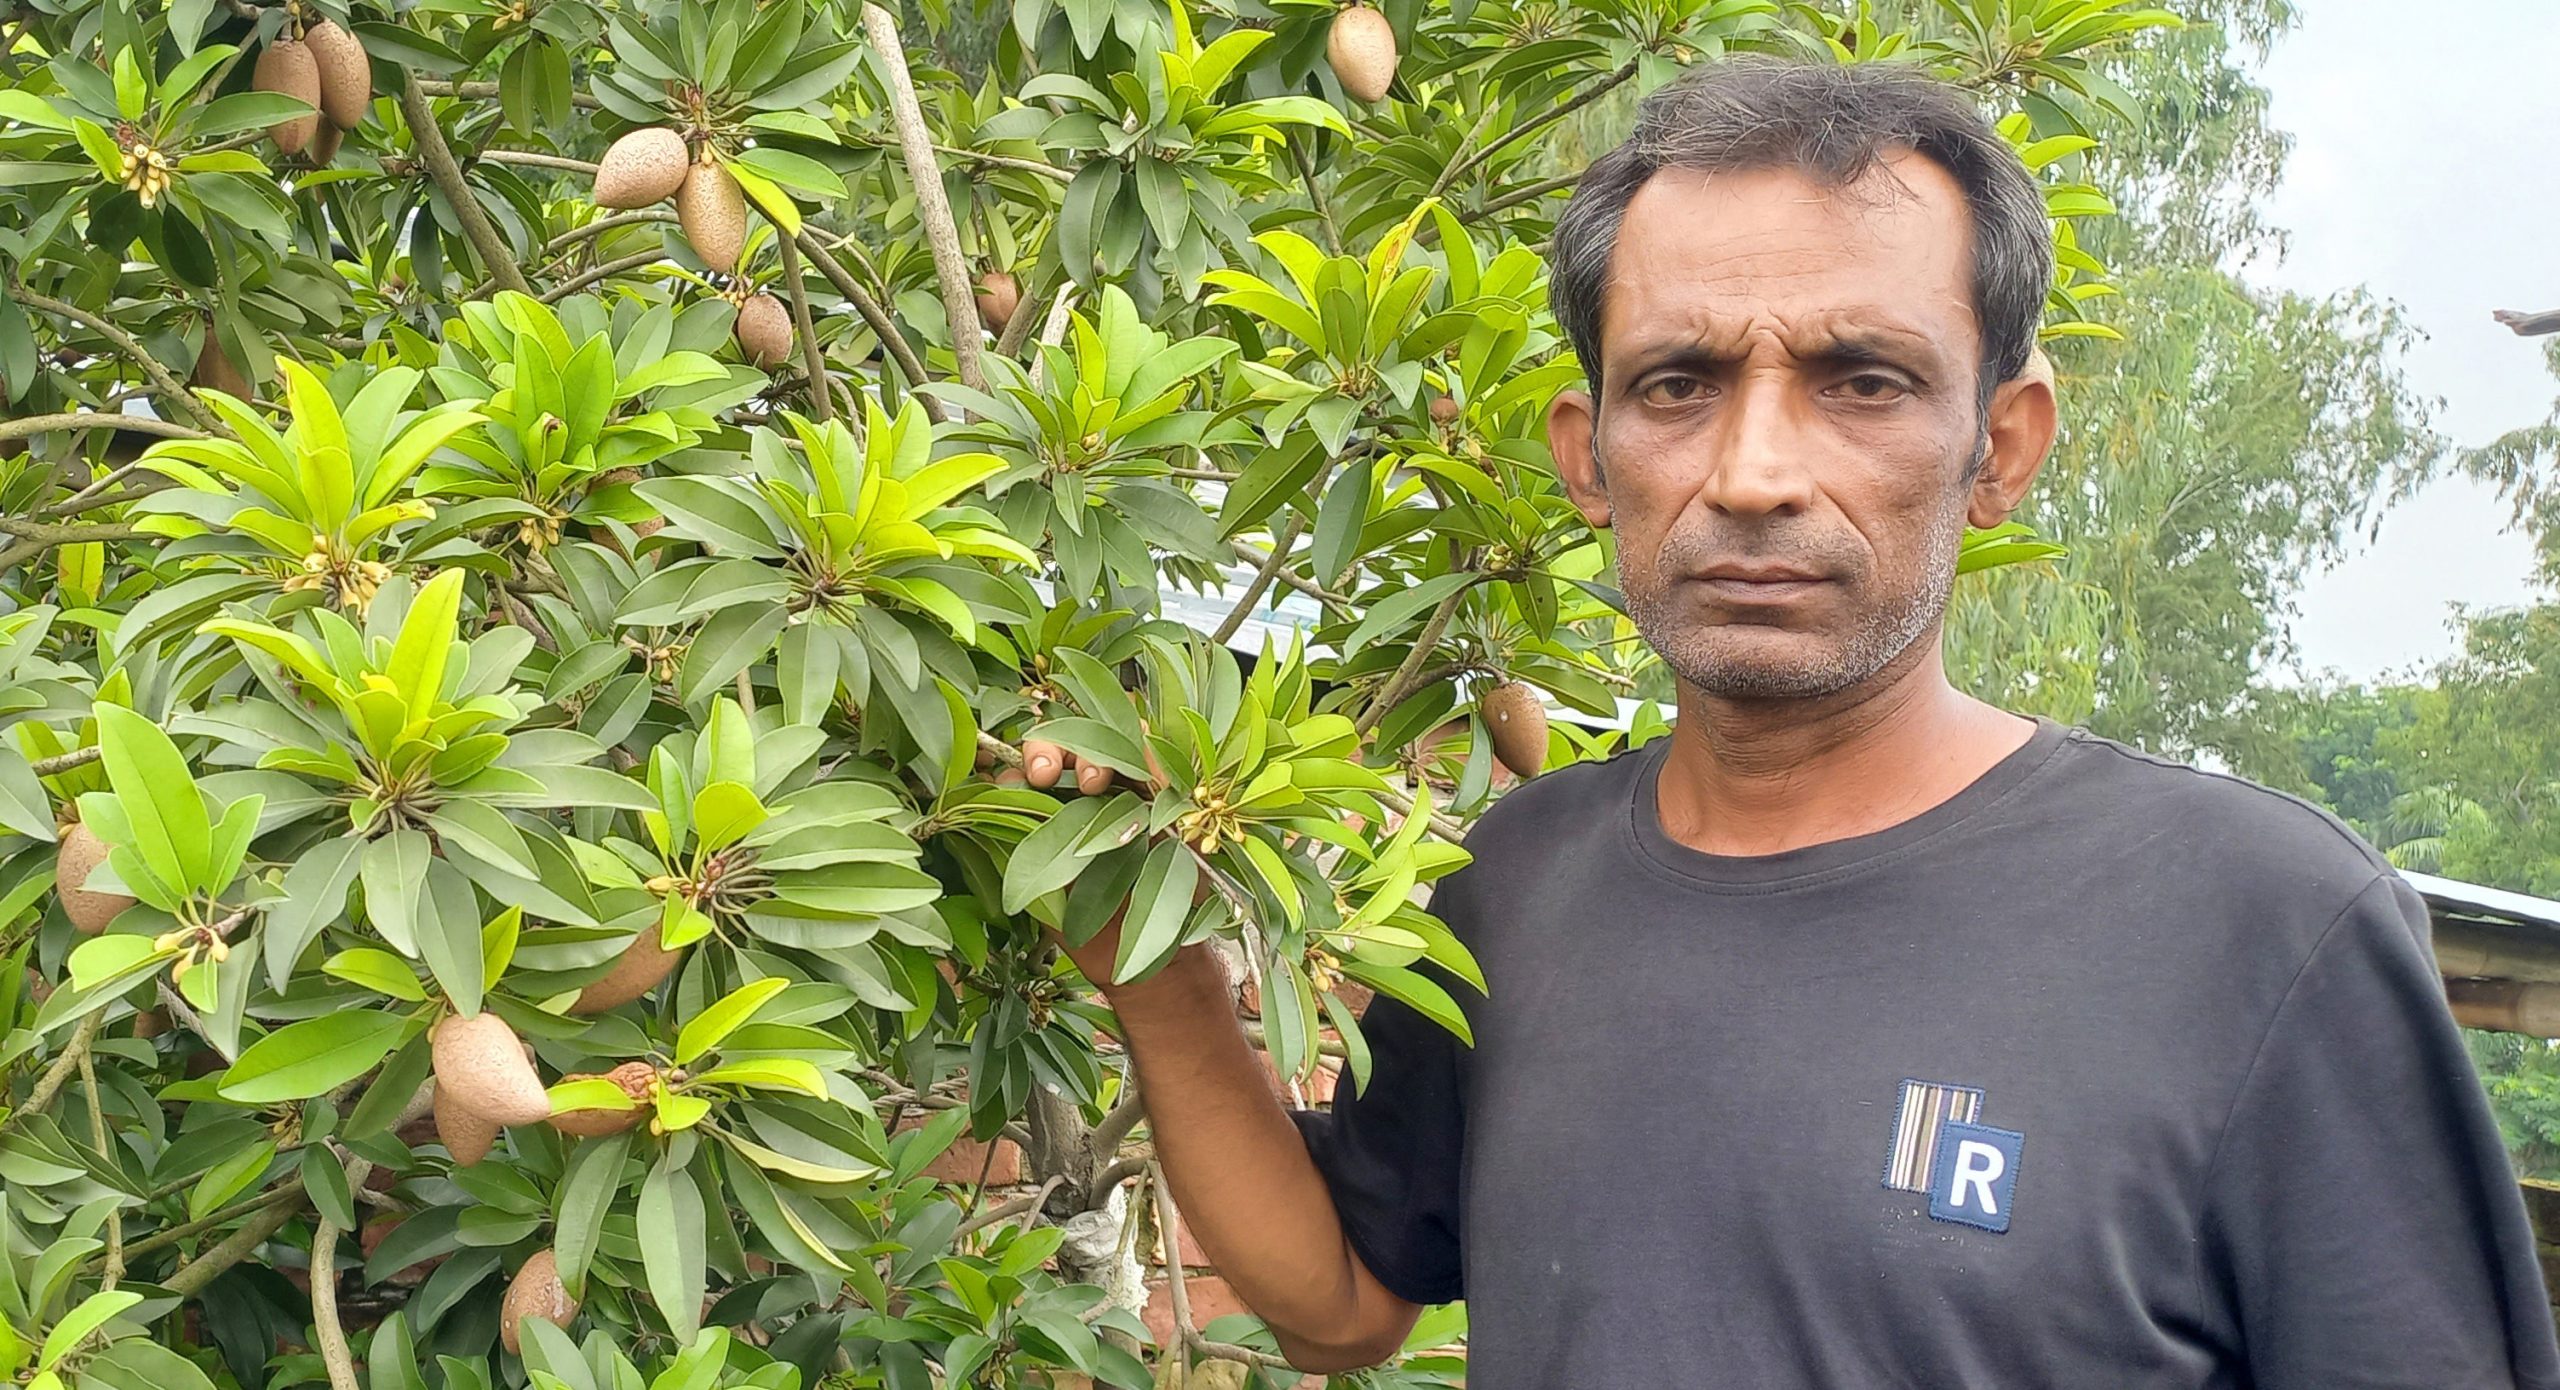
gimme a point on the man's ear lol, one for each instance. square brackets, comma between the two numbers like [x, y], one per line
[1573, 422]
[2023, 423]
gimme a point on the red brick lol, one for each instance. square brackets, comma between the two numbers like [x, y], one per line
[1210, 1297]
[1192, 1255]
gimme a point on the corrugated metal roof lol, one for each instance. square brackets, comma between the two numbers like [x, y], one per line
[2449, 898]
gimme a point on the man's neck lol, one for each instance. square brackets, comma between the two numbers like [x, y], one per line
[1766, 776]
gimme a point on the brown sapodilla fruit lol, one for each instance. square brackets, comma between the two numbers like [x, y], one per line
[635, 1079]
[346, 75]
[1444, 409]
[1517, 723]
[81, 851]
[764, 329]
[998, 295]
[1362, 49]
[466, 1133]
[325, 141]
[643, 964]
[214, 370]
[644, 167]
[480, 1065]
[712, 210]
[535, 1292]
[286, 66]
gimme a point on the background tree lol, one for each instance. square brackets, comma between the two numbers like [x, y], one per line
[536, 533]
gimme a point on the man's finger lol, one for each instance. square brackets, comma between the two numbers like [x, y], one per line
[1092, 778]
[1042, 761]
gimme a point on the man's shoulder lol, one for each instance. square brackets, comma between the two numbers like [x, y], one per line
[2212, 824]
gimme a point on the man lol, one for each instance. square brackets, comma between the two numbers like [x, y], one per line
[1859, 1033]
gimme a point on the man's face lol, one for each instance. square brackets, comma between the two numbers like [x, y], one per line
[1784, 438]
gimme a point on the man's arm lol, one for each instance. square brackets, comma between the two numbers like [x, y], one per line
[1241, 1172]
[2362, 1226]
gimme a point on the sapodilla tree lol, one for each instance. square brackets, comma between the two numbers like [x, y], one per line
[520, 632]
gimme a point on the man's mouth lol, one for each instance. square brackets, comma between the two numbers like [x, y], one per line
[1757, 583]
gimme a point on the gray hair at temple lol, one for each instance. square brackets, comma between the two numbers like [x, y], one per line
[1836, 124]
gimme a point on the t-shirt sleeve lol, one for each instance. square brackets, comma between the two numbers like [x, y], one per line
[1391, 1152]
[2361, 1218]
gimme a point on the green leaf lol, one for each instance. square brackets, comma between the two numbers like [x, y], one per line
[1047, 859]
[768, 1073]
[426, 642]
[171, 830]
[377, 970]
[672, 1243]
[1157, 910]
[100, 959]
[312, 1057]
[725, 813]
[706, 1029]
[228, 1179]
[792, 170]
[587, 1191]
[327, 1184]
[94, 1312]
[394, 872]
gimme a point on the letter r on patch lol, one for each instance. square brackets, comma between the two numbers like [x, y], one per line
[1975, 1175]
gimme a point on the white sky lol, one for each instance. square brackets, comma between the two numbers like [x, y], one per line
[2424, 140]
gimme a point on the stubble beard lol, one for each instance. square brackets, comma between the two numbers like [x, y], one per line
[1882, 635]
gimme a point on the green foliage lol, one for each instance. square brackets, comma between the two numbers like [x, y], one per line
[480, 633]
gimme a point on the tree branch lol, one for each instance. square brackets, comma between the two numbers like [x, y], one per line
[33, 425]
[933, 208]
[812, 357]
[531, 159]
[114, 1273]
[36, 537]
[477, 229]
[883, 327]
[331, 1336]
[488, 91]
[1111, 1175]
[1533, 125]
[1116, 1125]
[164, 382]
[239, 1245]
[1402, 683]
[1255, 555]
[1168, 1221]
[599, 274]
[2529, 325]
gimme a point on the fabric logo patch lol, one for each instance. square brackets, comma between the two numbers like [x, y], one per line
[1975, 1174]
[1926, 1107]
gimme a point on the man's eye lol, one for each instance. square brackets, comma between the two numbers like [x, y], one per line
[1672, 390]
[1873, 386]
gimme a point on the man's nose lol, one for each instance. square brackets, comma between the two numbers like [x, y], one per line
[1759, 464]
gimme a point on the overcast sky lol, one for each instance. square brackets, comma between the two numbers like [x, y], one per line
[2424, 143]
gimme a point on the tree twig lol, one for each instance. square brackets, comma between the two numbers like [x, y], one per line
[1272, 564]
[114, 1273]
[1116, 1125]
[813, 359]
[64, 762]
[1111, 1175]
[36, 537]
[1029, 1202]
[1253, 554]
[1315, 193]
[51, 1082]
[495, 258]
[933, 206]
[163, 381]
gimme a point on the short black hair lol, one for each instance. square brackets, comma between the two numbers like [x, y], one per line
[1836, 123]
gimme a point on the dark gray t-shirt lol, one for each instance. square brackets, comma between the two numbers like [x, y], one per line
[2105, 1073]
